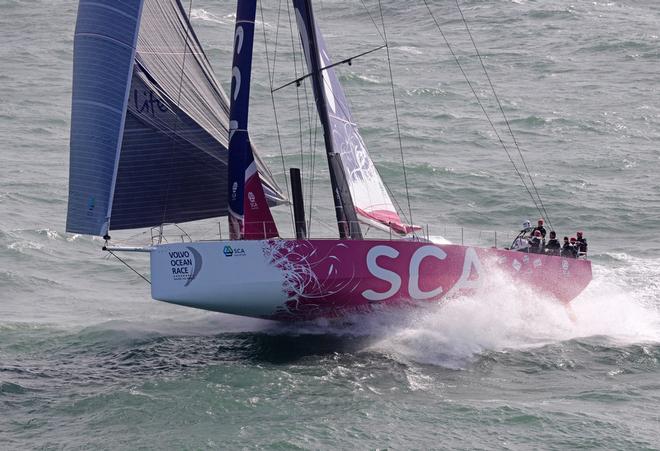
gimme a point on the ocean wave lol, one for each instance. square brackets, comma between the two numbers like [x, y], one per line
[361, 78]
[202, 14]
[409, 49]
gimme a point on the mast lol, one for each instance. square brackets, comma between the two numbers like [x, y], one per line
[249, 214]
[347, 220]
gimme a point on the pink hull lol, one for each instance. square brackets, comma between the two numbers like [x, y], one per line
[354, 275]
[298, 279]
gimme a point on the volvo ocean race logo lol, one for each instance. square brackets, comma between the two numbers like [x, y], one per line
[185, 264]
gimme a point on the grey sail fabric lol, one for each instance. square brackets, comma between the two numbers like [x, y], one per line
[172, 160]
[104, 47]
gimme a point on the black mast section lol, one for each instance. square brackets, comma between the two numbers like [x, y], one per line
[347, 220]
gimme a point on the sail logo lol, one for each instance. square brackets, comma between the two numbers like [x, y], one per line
[185, 265]
[148, 103]
[91, 203]
[253, 201]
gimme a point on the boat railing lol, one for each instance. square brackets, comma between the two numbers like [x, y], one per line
[169, 233]
[439, 233]
[434, 233]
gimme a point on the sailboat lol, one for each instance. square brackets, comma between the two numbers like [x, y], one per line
[155, 140]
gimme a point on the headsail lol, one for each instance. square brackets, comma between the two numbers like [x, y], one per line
[347, 220]
[149, 121]
[370, 198]
[249, 214]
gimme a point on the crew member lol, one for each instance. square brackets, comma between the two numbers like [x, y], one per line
[574, 247]
[540, 228]
[581, 244]
[536, 242]
[553, 247]
[567, 250]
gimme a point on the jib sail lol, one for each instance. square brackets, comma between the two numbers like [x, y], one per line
[149, 121]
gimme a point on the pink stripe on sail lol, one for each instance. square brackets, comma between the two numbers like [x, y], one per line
[390, 219]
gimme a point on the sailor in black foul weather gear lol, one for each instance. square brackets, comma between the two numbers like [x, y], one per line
[553, 247]
[540, 228]
[536, 243]
[581, 244]
[568, 250]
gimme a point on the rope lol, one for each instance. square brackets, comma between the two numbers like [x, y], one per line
[128, 266]
[396, 111]
[295, 70]
[506, 120]
[474, 92]
[372, 20]
[312, 137]
[176, 123]
[311, 181]
[272, 99]
[341, 106]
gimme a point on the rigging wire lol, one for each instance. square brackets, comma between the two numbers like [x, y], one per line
[277, 33]
[341, 106]
[372, 20]
[311, 180]
[474, 92]
[387, 187]
[295, 70]
[294, 50]
[178, 119]
[396, 111]
[127, 265]
[312, 136]
[272, 99]
[506, 120]
[346, 113]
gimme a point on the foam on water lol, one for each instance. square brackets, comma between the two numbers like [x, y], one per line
[615, 308]
[509, 317]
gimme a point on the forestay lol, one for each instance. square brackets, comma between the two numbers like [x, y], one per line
[149, 125]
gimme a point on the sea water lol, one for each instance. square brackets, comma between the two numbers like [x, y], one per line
[88, 360]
